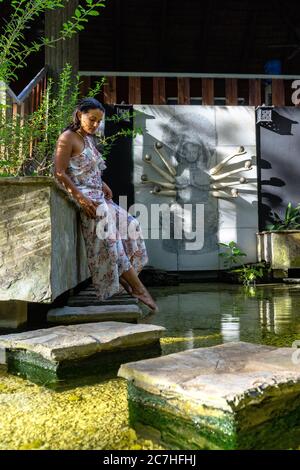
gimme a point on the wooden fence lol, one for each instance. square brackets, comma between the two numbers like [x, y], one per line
[29, 98]
[150, 88]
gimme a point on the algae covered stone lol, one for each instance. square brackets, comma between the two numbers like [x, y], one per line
[230, 396]
[42, 354]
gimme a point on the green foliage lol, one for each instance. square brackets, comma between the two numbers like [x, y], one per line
[291, 219]
[27, 144]
[232, 255]
[248, 273]
[14, 49]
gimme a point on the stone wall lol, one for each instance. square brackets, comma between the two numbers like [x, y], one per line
[42, 251]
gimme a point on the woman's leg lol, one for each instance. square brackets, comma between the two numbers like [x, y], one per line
[138, 289]
[125, 284]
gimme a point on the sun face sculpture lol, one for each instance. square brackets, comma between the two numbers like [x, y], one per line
[171, 182]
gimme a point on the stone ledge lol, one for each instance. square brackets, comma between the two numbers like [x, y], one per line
[229, 396]
[93, 313]
[57, 356]
[61, 343]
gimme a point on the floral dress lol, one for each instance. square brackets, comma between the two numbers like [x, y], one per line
[110, 249]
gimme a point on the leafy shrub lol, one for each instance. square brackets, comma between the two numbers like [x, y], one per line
[27, 143]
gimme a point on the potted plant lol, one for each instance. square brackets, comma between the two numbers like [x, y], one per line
[279, 244]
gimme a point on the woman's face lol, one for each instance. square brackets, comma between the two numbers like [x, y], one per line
[90, 120]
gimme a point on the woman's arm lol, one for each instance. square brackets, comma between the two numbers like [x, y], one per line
[107, 191]
[63, 154]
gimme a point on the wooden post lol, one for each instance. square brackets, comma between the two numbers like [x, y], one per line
[134, 90]
[85, 83]
[255, 92]
[231, 91]
[159, 90]
[278, 95]
[208, 91]
[183, 86]
[64, 51]
[110, 90]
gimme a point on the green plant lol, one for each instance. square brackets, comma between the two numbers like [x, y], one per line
[248, 273]
[232, 255]
[14, 50]
[27, 143]
[291, 219]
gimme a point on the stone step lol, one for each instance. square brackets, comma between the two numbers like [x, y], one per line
[83, 302]
[93, 295]
[95, 313]
[48, 355]
[231, 396]
[291, 280]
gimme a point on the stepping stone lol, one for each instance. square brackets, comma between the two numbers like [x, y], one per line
[231, 396]
[83, 302]
[92, 295]
[291, 280]
[95, 313]
[48, 355]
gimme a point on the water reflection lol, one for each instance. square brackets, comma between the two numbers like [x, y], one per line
[95, 415]
[230, 328]
[198, 315]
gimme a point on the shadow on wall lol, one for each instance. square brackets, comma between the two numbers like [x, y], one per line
[279, 163]
[279, 124]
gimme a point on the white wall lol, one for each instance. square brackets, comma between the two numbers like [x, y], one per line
[199, 137]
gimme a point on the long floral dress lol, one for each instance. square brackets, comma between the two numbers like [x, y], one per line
[110, 255]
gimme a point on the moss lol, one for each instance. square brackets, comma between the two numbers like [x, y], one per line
[176, 429]
[226, 431]
[41, 371]
[86, 417]
[171, 340]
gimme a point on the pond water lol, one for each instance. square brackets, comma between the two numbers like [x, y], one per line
[94, 415]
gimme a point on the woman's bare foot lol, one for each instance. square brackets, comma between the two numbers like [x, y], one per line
[145, 298]
[138, 289]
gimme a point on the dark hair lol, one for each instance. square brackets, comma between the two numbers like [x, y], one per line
[83, 106]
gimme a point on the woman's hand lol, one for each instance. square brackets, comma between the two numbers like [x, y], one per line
[88, 205]
[107, 191]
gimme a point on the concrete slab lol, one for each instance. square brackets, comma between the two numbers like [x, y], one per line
[231, 396]
[291, 280]
[94, 313]
[84, 302]
[43, 355]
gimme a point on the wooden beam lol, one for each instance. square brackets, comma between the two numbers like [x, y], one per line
[134, 90]
[159, 90]
[231, 91]
[183, 87]
[278, 94]
[255, 92]
[208, 91]
[85, 84]
[64, 51]
[110, 90]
